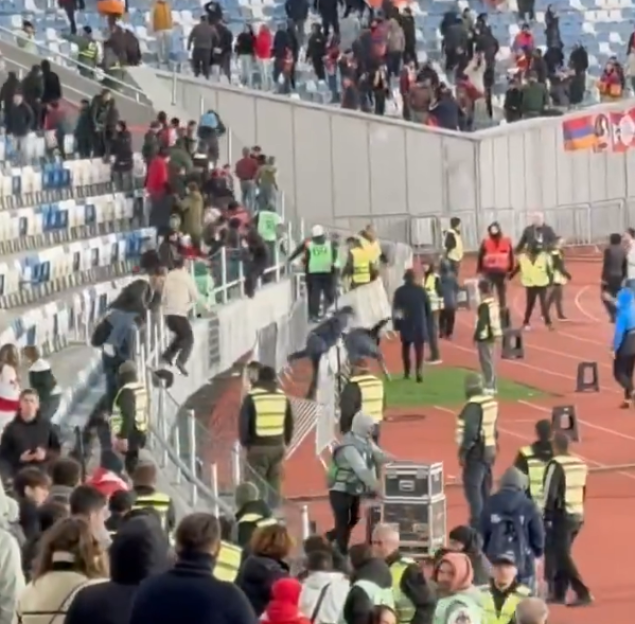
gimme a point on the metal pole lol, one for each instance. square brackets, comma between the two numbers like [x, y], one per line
[191, 457]
[306, 524]
[214, 484]
[174, 87]
[236, 465]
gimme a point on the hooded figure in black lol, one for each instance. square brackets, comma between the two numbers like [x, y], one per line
[466, 540]
[358, 606]
[138, 551]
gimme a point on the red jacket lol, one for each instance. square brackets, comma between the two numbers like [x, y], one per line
[283, 608]
[497, 254]
[107, 482]
[157, 176]
[264, 41]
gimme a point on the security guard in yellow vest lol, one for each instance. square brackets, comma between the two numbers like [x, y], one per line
[144, 490]
[129, 417]
[532, 460]
[504, 593]
[413, 601]
[453, 245]
[477, 440]
[265, 429]
[253, 513]
[359, 265]
[560, 277]
[488, 330]
[364, 392]
[536, 274]
[368, 239]
[432, 286]
[229, 556]
[564, 497]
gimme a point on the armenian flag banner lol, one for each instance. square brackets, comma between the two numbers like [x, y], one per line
[601, 132]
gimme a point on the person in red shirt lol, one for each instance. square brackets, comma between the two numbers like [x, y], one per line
[105, 479]
[157, 176]
[283, 607]
[496, 260]
[262, 50]
[246, 169]
[523, 40]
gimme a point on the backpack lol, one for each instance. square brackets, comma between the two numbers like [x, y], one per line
[508, 535]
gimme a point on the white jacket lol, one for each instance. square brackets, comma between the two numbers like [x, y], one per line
[334, 598]
[179, 293]
[12, 578]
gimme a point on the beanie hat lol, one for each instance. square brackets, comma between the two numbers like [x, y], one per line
[464, 535]
[245, 493]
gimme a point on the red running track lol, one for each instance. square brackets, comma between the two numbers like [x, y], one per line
[550, 364]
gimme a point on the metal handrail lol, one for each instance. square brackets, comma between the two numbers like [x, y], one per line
[139, 96]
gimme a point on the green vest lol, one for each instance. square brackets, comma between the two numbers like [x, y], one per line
[268, 225]
[461, 601]
[379, 596]
[403, 605]
[340, 476]
[320, 257]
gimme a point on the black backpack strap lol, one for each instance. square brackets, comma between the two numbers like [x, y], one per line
[319, 602]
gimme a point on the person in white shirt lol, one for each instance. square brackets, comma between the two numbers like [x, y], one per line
[178, 297]
[324, 591]
[9, 384]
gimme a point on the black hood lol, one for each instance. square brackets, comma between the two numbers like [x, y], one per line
[138, 550]
[375, 570]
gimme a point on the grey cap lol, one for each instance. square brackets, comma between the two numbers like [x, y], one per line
[127, 368]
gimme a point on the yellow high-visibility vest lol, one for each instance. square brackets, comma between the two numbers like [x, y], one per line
[141, 408]
[575, 476]
[489, 410]
[508, 610]
[558, 277]
[403, 605]
[259, 520]
[494, 319]
[372, 248]
[271, 409]
[372, 391]
[158, 501]
[456, 254]
[535, 274]
[436, 302]
[536, 468]
[361, 265]
[227, 562]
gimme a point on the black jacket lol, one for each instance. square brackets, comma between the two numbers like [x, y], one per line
[247, 425]
[189, 593]
[358, 606]
[411, 306]
[246, 529]
[52, 87]
[19, 120]
[256, 577]
[138, 551]
[614, 265]
[20, 436]
[532, 234]
[122, 151]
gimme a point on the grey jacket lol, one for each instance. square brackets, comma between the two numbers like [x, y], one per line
[353, 453]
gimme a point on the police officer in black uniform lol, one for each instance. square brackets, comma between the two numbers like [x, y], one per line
[565, 493]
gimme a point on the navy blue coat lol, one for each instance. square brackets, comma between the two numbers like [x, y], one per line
[411, 308]
[189, 593]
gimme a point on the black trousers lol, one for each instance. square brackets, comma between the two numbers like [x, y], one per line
[555, 298]
[319, 285]
[131, 457]
[447, 317]
[406, 347]
[539, 293]
[345, 508]
[201, 61]
[183, 340]
[611, 287]
[562, 571]
[499, 285]
[623, 368]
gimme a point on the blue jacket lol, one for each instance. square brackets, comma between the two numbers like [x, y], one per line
[411, 308]
[449, 285]
[189, 593]
[123, 335]
[514, 501]
[625, 318]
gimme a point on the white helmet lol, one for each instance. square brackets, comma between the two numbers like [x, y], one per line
[317, 230]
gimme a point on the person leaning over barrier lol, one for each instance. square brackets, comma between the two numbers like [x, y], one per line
[129, 418]
[265, 430]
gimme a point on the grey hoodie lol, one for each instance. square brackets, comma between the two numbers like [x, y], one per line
[12, 578]
[351, 455]
[514, 479]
